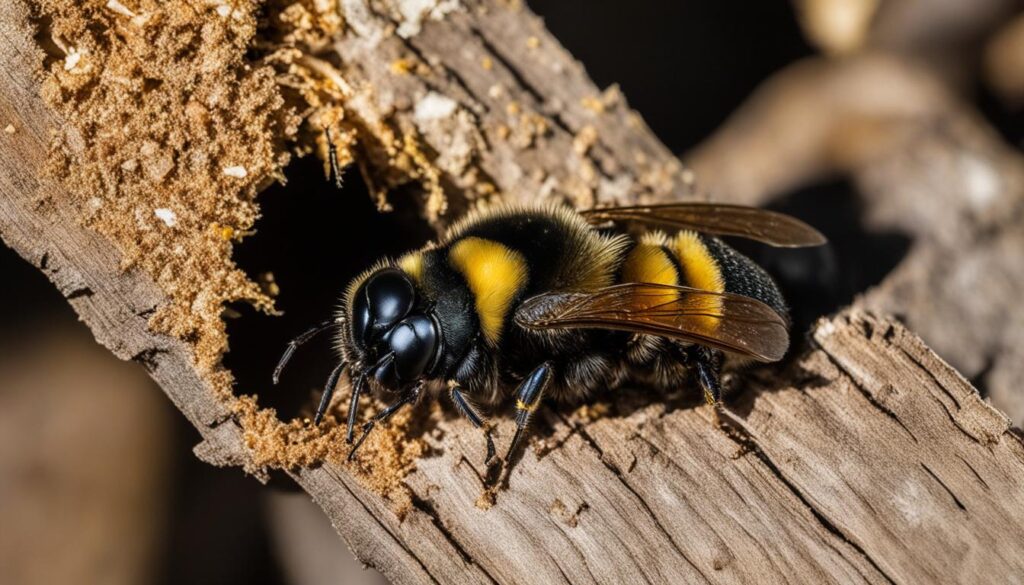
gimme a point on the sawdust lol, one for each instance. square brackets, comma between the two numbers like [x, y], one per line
[171, 133]
[591, 412]
[177, 115]
[570, 518]
[381, 464]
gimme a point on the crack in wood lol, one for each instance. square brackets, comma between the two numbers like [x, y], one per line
[945, 487]
[424, 505]
[870, 397]
[745, 438]
[671, 460]
[974, 471]
[337, 480]
[149, 358]
[643, 503]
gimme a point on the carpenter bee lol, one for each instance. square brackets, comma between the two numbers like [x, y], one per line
[545, 301]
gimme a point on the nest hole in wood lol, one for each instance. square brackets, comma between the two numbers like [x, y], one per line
[311, 240]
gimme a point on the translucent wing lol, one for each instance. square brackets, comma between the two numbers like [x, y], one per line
[763, 225]
[726, 321]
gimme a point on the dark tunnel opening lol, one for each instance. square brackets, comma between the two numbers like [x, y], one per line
[313, 238]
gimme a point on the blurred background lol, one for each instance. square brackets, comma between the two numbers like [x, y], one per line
[108, 490]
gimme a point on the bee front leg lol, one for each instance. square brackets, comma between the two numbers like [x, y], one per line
[467, 410]
[528, 397]
[409, 396]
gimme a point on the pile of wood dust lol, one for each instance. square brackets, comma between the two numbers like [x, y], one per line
[177, 113]
[381, 464]
[170, 134]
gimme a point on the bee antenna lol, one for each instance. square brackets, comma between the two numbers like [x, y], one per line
[294, 344]
[332, 157]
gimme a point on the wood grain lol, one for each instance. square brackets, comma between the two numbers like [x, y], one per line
[527, 119]
[867, 459]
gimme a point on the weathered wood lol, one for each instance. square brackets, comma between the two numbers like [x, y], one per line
[867, 460]
[518, 111]
[924, 165]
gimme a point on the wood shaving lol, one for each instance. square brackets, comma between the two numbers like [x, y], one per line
[177, 118]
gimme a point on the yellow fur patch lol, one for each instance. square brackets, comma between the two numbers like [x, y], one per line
[594, 258]
[412, 264]
[495, 274]
[649, 263]
[700, 270]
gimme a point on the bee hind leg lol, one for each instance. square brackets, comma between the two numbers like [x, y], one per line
[466, 409]
[707, 364]
[528, 397]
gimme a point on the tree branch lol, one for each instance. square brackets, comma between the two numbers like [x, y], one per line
[868, 459]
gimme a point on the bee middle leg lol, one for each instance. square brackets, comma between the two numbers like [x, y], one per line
[528, 397]
[706, 365]
[467, 410]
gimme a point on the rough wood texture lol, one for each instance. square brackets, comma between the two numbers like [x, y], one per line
[923, 164]
[867, 460]
[516, 110]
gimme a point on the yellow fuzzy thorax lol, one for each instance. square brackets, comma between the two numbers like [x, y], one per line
[412, 264]
[495, 274]
[601, 254]
[700, 270]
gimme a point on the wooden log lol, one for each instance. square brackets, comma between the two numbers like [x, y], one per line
[868, 459]
[509, 110]
[923, 164]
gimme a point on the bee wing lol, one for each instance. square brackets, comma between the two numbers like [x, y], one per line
[763, 225]
[726, 321]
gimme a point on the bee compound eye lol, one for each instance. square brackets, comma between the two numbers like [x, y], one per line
[360, 317]
[380, 302]
[390, 296]
[414, 342]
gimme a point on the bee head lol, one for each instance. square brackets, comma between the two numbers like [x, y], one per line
[390, 333]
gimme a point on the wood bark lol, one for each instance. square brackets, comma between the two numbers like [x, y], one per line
[867, 459]
[525, 118]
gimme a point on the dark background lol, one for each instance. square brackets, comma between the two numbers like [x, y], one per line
[684, 65]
